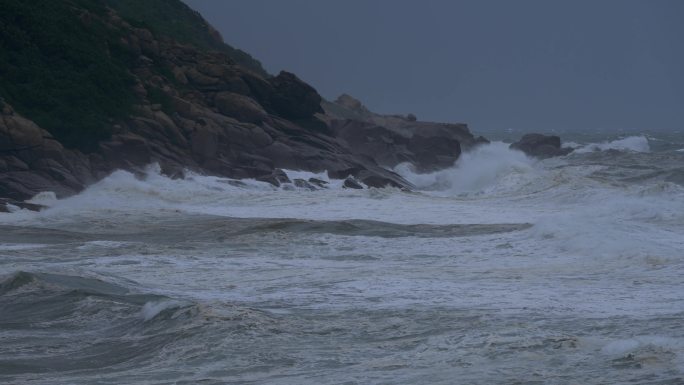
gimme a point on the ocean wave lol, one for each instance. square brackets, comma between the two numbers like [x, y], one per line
[488, 169]
[69, 322]
[382, 229]
[499, 185]
[630, 143]
[644, 351]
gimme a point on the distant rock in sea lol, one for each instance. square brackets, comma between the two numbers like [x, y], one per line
[541, 146]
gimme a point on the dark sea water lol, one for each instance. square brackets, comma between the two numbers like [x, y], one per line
[500, 270]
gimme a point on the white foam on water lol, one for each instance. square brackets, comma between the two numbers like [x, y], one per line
[102, 244]
[488, 169]
[152, 309]
[599, 251]
[12, 208]
[625, 346]
[631, 143]
[613, 222]
[20, 246]
[571, 213]
[46, 198]
[572, 144]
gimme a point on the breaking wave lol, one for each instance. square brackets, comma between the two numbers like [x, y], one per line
[511, 260]
[488, 169]
[86, 322]
[631, 143]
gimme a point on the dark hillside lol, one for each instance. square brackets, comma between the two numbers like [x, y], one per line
[92, 86]
[63, 64]
[174, 19]
[63, 68]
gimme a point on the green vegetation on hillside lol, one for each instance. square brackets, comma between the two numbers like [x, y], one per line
[63, 65]
[175, 19]
[66, 74]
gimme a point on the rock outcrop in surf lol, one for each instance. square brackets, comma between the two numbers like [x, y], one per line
[541, 146]
[394, 139]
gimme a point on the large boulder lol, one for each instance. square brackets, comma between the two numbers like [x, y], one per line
[294, 99]
[434, 152]
[240, 107]
[20, 134]
[541, 146]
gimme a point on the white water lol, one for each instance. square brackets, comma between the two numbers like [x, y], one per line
[602, 248]
[631, 143]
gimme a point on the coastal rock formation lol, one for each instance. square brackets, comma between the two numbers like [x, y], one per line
[541, 146]
[196, 109]
[210, 110]
[394, 139]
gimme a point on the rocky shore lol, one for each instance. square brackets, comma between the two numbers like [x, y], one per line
[198, 109]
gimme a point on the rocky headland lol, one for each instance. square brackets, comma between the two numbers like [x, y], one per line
[186, 104]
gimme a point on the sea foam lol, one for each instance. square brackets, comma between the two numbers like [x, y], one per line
[630, 143]
[489, 168]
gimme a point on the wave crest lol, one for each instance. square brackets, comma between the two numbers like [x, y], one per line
[630, 143]
[488, 169]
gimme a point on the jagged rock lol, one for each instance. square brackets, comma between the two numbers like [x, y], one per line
[541, 146]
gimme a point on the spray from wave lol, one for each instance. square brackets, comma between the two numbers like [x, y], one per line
[488, 169]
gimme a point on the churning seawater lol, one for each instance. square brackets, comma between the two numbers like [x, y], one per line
[500, 270]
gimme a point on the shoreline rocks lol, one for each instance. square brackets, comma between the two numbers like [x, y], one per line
[199, 110]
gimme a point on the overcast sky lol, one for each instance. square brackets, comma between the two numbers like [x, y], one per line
[525, 64]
